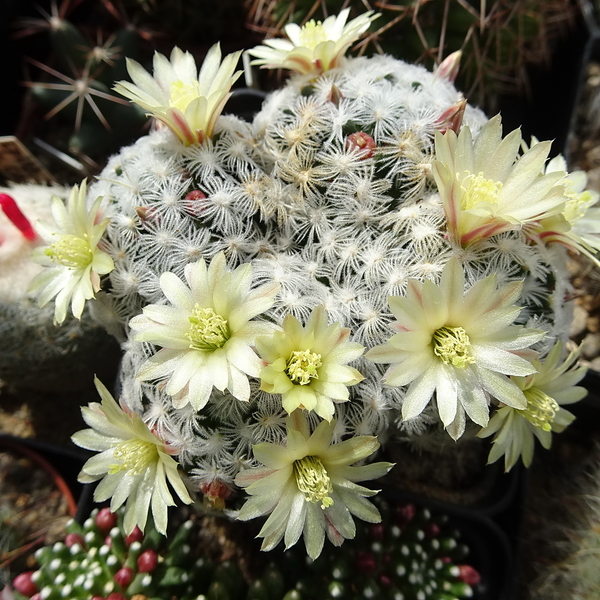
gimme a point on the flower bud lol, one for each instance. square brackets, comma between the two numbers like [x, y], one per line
[105, 520]
[24, 584]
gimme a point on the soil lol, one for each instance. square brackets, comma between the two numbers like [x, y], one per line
[33, 512]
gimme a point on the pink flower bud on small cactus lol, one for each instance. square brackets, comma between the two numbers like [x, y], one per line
[193, 202]
[432, 530]
[366, 563]
[105, 520]
[124, 577]
[147, 561]
[16, 216]
[469, 575]
[361, 142]
[216, 492]
[135, 536]
[448, 68]
[25, 585]
[73, 538]
[405, 514]
[451, 118]
[376, 532]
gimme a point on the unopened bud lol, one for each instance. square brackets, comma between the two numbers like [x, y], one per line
[451, 118]
[362, 143]
[448, 68]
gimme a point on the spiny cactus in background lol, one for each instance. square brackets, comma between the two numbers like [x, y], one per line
[97, 560]
[35, 352]
[411, 554]
[571, 569]
[499, 39]
[76, 88]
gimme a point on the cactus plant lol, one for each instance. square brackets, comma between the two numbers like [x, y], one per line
[499, 40]
[412, 554]
[246, 255]
[36, 352]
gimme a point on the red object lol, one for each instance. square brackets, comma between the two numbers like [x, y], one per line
[405, 514]
[385, 581]
[24, 584]
[362, 142]
[115, 596]
[193, 202]
[74, 538]
[147, 561]
[366, 563]
[123, 577]
[216, 492]
[376, 532]
[105, 520]
[469, 575]
[16, 217]
[432, 530]
[135, 536]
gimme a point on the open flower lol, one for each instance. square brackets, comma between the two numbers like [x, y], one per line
[460, 345]
[73, 259]
[546, 391]
[308, 365]
[134, 465]
[315, 47]
[187, 102]
[486, 188]
[578, 225]
[207, 333]
[309, 486]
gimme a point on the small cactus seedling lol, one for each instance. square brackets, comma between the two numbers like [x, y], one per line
[411, 555]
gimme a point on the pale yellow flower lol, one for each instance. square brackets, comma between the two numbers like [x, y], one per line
[134, 464]
[308, 487]
[487, 188]
[72, 256]
[546, 391]
[578, 226]
[187, 102]
[315, 47]
[457, 346]
[308, 365]
[207, 333]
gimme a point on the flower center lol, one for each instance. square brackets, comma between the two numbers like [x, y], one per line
[453, 346]
[181, 94]
[302, 366]
[208, 330]
[576, 206]
[312, 480]
[312, 34]
[479, 191]
[541, 409]
[71, 251]
[133, 455]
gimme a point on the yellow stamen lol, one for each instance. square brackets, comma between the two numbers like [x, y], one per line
[302, 366]
[208, 330]
[71, 251]
[541, 409]
[133, 455]
[313, 481]
[183, 93]
[478, 191]
[312, 34]
[453, 346]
